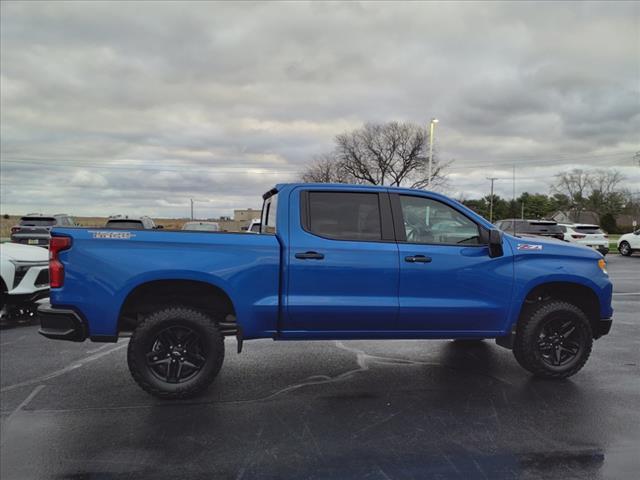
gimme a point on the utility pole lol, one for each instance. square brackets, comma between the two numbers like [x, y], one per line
[191, 200]
[522, 211]
[432, 125]
[514, 199]
[493, 179]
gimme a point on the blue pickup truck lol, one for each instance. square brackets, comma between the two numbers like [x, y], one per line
[330, 262]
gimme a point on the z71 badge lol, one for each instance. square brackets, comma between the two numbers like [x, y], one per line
[529, 246]
[112, 235]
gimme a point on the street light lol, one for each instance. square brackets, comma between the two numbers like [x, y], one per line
[432, 124]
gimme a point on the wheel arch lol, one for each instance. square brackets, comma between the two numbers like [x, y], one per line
[154, 294]
[575, 293]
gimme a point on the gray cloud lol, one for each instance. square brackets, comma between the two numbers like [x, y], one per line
[137, 107]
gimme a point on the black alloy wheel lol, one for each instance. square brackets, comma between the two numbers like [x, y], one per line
[559, 342]
[176, 355]
[176, 352]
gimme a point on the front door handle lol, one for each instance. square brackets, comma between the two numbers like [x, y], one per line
[417, 259]
[310, 256]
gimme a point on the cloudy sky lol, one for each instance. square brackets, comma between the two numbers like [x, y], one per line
[137, 107]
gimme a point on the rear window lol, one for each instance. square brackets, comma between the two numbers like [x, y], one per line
[345, 216]
[37, 221]
[125, 224]
[538, 227]
[591, 229]
[206, 227]
[269, 214]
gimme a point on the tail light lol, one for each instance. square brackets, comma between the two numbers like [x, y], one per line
[578, 236]
[15, 229]
[56, 269]
[606, 236]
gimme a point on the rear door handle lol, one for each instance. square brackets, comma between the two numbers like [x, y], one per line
[417, 259]
[310, 256]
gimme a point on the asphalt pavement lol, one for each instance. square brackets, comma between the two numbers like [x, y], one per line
[358, 409]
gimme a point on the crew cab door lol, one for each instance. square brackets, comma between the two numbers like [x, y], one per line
[342, 272]
[448, 282]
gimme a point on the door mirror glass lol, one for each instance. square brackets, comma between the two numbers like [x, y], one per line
[495, 243]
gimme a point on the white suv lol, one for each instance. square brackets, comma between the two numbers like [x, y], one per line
[586, 234]
[629, 243]
[24, 272]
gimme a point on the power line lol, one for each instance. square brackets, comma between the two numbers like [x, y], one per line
[163, 166]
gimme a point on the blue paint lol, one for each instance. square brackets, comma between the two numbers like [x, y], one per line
[359, 290]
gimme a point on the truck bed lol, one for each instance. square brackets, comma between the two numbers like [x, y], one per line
[103, 266]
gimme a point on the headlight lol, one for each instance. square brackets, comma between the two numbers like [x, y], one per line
[21, 269]
[603, 266]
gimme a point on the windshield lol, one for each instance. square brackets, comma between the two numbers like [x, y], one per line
[37, 221]
[125, 224]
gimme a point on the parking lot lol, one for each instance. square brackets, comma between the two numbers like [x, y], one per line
[360, 409]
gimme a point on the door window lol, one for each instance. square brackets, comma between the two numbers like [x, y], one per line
[430, 221]
[345, 216]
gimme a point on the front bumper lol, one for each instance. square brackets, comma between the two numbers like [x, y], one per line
[15, 299]
[61, 324]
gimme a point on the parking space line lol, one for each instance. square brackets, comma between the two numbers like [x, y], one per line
[22, 405]
[12, 341]
[634, 293]
[64, 370]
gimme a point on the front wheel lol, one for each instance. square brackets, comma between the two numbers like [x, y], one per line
[175, 352]
[553, 339]
[625, 249]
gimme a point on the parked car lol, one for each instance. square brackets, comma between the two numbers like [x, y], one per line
[24, 277]
[202, 226]
[254, 226]
[629, 243]
[538, 228]
[125, 222]
[35, 228]
[587, 235]
[332, 262]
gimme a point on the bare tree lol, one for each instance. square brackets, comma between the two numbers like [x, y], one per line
[326, 169]
[597, 190]
[575, 185]
[380, 154]
[605, 181]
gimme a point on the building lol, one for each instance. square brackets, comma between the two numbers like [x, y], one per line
[246, 215]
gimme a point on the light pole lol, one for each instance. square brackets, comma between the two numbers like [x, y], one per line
[432, 124]
[493, 179]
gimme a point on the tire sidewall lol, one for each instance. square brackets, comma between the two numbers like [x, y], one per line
[625, 249]
[145, 336]
[581, 327]
[526, 350]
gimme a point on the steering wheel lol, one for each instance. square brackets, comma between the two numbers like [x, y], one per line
[418, 233]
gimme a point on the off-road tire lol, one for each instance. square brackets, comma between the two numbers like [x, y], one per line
[145, 335]
[625, 249]
[528, 331]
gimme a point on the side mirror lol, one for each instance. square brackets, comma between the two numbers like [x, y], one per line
[495, 243]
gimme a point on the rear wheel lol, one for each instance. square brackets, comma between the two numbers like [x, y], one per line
[625, 249]
[553, 339]
[176, 352]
